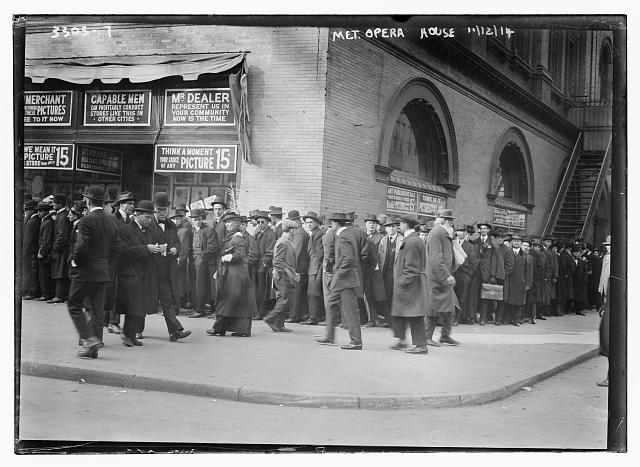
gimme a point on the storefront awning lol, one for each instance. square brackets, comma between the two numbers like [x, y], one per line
[137, 69]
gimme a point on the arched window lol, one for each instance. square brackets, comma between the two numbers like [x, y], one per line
[418, 144]
[510, 179]
[605, 71]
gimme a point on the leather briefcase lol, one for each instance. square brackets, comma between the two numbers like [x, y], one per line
[491, 292]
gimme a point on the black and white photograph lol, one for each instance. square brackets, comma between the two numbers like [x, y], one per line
[320, 233]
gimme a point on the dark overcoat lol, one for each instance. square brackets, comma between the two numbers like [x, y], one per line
[96, 243]
[536, 292]
[372, 274]
[137, 279]
[410, 279]
[566, 271]
[347, 269]
[236, 297]
[186, 275]
[519, 280]
[30, 236]
[551, 276]
[580, 282]
[316, 256]
[45, 241]
[491, 263]
[169, 262]
[360, 240]
[60, 249]
[382, 252]
[300, 245]
[440, 262]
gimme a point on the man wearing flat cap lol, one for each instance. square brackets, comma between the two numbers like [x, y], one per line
[441, 263]
[299, 305]
[45, 243]
[266, 239]
[373, 284]
[30, 234]
[316, 255]
[95, 244]
[60, 249]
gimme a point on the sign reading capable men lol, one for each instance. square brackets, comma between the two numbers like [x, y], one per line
[213, 158]
[198, 107]
[117, 108]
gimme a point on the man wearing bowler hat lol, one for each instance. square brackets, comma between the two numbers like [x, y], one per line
[266, 239]
[441, 262]
[30, 234]
[344, 282]
[167, 266]
[299, 305]
[316, 255]
[96, 243]
[60, 249]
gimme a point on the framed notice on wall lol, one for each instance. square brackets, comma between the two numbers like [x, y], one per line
[213, 158]
[47, 108]
[117, 108]
[99, 160]
[198, 107]
[511, 219]
[48, 156]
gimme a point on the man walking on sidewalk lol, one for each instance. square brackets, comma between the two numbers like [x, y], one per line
[96, 242]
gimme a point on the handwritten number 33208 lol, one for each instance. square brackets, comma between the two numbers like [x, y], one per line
[65, 31]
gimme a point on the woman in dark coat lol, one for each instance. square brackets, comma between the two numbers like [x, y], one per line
[235, 305]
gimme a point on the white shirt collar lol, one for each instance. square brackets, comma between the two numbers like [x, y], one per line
[136, 221]
[60, 210]
[408, 232]
[339, 230]
[94, 208]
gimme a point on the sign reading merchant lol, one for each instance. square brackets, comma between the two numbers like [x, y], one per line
[508, 218]
[117, 108]
[213, 158]
[401, 200]
[430, 205]
[198, 107]
[47, 108]
[98, 160]
[48, 156]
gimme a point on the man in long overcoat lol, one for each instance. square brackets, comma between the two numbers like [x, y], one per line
[534, 294]
[388, 249]
[30, 235]
[204, 251]
[167, 267]
[137, 279]
[60, 250]
[580, 281]
[551, 275]
[465, 278]
[316, 255]
[371, 274]
[517, 282]
[45, 243]
[491, 267]
[566, 271]
[410, 289]
[440, 281]
[266, 239]
[299, 305]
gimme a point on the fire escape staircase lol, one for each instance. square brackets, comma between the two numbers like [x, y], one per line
[577, 200]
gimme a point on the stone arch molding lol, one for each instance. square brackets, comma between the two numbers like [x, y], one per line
[513, 135]
[419, 88]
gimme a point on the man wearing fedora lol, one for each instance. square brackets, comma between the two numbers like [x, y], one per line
[517, 282]
[299, 305]
[566, 271]
[371, 274]
[45, 242]
[60, 250]
[123, 207]
[441, 263]
[266, 239]
[361, 240]
[96, 242]
[204, 251]
[410, 289]
[388, 249]
[30, 234]
[491, 267]
[534, 294]
[316, 256]
[465, 275]
[344, 283]
[275, 214]
[186, 274]
[551, 276]
[167, 266]
[580, 280]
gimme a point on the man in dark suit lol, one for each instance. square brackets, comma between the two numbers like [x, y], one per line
[275, 213]
[45, 243]
[96, 242]
[316, 255]
[30, 235]
[345, 281]
[388, 249]
[464, 277]
[298, 305]
[517, 282]
[204, 251]
[167, 267]
[60, 249]
[266, 239]
[373, 286]
[123, 207]
[490, 268]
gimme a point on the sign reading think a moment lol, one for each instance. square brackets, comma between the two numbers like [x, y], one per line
[47, 108]
[117, 108]
[198, 107]
[215, 158]
[430, 205]
[508, 218]
[48, 156]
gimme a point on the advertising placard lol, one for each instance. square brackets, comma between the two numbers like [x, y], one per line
[198, 107]
[430, 205]
[47, 108]
[117, 108]
[212, 158]
[508, 218]
[98, 160]
[401, 200]
[48, 156]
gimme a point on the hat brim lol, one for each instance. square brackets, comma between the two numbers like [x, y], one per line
[311, 217]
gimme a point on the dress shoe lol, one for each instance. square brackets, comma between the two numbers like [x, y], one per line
[240, 334]
[273, 327]
[30, 297]
[449, 341]
[516, 323]
[533, 321]
[88, 353]
[55, 300]
[196, 314]
[351, 347]
[283, 329]
[179, 335]
[127, 341]
[41, 299]
[604, 383]
[322, 323]
[399, 346]
[258, 318]
[90, 347]
[325, 341]
[498, 323]
[580, 313]
[213, 332]
[419, 349]
[310, 322]
[114, 329]
[292, 320]
[433, 343]
[370, 324]
[482, 323]
[543, 318]
[139, 335]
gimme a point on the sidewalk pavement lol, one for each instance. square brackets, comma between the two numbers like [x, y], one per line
[291, 369]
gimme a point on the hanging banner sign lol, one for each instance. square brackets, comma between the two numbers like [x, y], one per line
[98, 160]
[117, 108]
[213, 158]
[48, 156]
[508, 218]
[401, 200]
[47, 108]
[198, 107]
[430, 205]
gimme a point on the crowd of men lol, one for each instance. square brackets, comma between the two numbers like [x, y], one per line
[127, 257]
